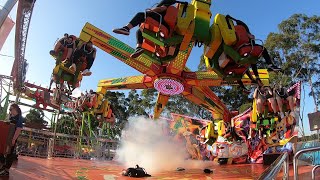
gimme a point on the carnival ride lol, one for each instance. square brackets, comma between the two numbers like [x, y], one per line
[168, 44]
[189, 25]
[245, 139]
[228, 56]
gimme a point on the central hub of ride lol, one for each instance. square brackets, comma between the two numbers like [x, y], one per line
[168, 86]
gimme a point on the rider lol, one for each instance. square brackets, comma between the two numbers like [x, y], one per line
[281, 93]
[68, 41]
[139, 18]
[261, 94]
[88, 52]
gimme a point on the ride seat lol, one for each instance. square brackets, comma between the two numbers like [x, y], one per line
[167, 25]
[244, 44]
[152, 47]
[234, 68]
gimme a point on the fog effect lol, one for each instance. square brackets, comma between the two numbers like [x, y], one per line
[144, 143]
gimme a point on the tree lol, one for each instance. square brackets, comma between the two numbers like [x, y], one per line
[148, 97]
[232, 96]
[35, 119]
[296, 47]
[135, 105]
[67, 125]
[118, 104]
[180, 105]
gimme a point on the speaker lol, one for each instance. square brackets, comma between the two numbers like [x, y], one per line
[314, 121]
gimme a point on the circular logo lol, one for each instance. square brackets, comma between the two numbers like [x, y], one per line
[168, 86]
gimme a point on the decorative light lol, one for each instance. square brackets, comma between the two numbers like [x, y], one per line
[168, 86]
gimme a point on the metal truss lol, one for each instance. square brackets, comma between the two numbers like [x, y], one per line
[19, 68]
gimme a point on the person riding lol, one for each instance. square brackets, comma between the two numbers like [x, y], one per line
[85, 54]
[281, 94]
[67, 42]
[17, 119]
[261, 95]
[139, 18]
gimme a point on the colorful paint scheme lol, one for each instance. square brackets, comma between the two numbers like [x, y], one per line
[229, 141]
[167, 50]
[62, 74]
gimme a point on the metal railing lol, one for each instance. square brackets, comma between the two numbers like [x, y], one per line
[313, 176]
[37, 143]
[273, 170]
[295, 160]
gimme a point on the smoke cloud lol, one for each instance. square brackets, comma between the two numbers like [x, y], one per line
[144, 143]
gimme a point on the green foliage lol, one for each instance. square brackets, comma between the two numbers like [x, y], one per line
[135, 105]
[232, 96]
[296, 48]
[119, 105]
[36, 116]
[67, 125]
[180, 105]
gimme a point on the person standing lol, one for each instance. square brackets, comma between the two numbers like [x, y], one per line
[17, 119]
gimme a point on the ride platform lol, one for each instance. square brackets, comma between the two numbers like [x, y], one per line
[64, 168]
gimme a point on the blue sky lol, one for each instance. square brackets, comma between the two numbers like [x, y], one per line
[51, 19]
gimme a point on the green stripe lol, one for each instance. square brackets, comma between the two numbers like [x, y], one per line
[120, 45]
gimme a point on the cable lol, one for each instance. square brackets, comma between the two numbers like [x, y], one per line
[7, 56]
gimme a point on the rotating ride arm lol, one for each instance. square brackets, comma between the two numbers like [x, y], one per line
[131, 82]
[119, 50]
[210, 78]
[205, 97]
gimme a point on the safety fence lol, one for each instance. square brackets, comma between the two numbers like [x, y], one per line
[273, 170]
[309, 157]
[44, 144]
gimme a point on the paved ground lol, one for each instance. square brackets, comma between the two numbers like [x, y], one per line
[62, 169]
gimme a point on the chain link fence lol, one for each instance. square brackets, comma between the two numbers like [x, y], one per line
[44, 144]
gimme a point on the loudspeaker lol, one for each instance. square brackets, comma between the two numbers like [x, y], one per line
[314, 121]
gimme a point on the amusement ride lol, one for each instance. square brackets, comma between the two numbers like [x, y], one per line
[228, 54]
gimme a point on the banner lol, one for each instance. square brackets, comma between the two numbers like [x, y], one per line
[5, 30]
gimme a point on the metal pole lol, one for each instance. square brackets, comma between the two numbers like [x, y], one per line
[55, 130]
[82, 127]
[6, 10]
[313, 176]
[295, 160]
[272, 171]
[90, 130]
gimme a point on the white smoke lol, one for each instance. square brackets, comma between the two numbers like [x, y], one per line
[144, 143]
[76, 92]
